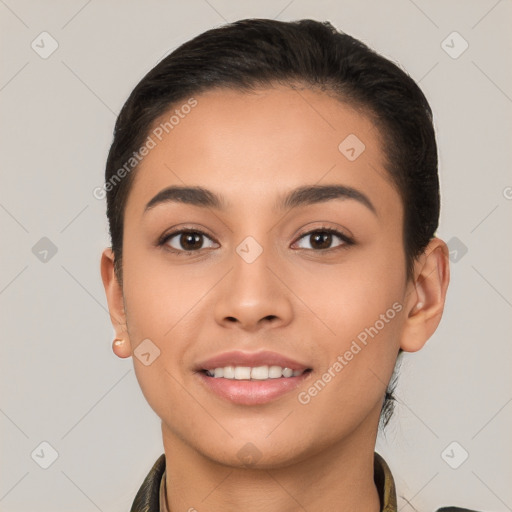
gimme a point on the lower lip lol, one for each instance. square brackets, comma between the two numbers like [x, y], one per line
[252, 392]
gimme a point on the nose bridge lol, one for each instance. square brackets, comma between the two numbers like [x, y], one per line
[250, 268]
[251, 278]
[252, 291]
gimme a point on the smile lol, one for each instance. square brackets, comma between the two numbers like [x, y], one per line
[238, 386]
[253, 373]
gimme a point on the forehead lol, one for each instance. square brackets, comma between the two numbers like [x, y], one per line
[251, 146]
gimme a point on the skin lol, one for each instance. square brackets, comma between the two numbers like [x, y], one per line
[253, 148]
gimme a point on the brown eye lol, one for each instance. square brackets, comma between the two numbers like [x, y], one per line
[322, 239]
[191, 241]
[186, 241]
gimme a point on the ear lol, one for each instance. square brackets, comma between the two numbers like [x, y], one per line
[114, 293]
[426, 296]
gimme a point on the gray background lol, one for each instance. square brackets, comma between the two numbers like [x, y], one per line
[59, 379]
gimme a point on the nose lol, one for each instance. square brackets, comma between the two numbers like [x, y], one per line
[253, 294]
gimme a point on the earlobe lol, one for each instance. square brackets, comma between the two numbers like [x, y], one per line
[426, 297]
[113, 291]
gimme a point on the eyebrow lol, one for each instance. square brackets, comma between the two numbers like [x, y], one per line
[301, 196]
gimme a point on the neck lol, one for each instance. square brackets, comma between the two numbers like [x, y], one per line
[337, 478]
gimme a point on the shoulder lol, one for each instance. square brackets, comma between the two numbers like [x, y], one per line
[148, 496]
[455, 509]
[387, 491]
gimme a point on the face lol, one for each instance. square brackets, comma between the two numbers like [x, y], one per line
[319, 279]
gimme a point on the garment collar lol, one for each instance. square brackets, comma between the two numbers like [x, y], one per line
[151, 496]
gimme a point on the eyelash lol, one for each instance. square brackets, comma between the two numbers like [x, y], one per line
[347, 241]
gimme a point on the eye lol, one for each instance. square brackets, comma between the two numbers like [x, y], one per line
[185, 241]
[188, 241]
[322, 238]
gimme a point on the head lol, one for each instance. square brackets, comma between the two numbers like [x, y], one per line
[250, 112]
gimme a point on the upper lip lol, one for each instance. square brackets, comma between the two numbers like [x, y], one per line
[253, 359]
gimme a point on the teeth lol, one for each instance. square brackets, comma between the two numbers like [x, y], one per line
[228, 372]
[253, 373]
[242, 372]
[287, 372]
[260, 373]
[274, 372]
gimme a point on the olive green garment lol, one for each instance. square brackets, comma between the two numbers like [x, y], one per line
[151, 496]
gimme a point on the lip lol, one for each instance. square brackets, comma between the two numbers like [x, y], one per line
[251, 392]
[253, 359]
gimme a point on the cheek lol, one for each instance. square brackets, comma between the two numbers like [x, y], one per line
[360, 305]
[158, 300]
[357, 360]
[166, 303]
[348, 297]
[157, 293]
